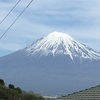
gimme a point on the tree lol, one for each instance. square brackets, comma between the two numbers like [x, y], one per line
[2, 82]
[11, 86]
[18, 90]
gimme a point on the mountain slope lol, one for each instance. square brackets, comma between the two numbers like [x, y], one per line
[54, 64]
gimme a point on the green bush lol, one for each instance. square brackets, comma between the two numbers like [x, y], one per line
[30, 96]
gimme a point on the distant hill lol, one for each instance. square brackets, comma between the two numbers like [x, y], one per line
[11, 93]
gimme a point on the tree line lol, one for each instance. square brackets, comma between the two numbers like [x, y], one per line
[15, 93]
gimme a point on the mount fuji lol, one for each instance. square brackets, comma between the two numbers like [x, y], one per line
[58, 43]
[53, 65]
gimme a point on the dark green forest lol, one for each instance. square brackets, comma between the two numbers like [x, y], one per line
[15, 93]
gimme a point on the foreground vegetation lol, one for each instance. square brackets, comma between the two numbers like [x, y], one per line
[12, 93]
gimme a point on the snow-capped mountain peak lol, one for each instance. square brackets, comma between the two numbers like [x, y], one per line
[59, 35]
[58, 43]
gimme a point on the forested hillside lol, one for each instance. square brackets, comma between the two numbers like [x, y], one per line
[12, 93]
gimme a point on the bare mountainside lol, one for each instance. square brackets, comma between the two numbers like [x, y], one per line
[53, 65]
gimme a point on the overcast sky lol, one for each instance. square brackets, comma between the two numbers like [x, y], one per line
[78, 18]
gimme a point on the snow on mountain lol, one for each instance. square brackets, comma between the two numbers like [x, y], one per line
[58, 43]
